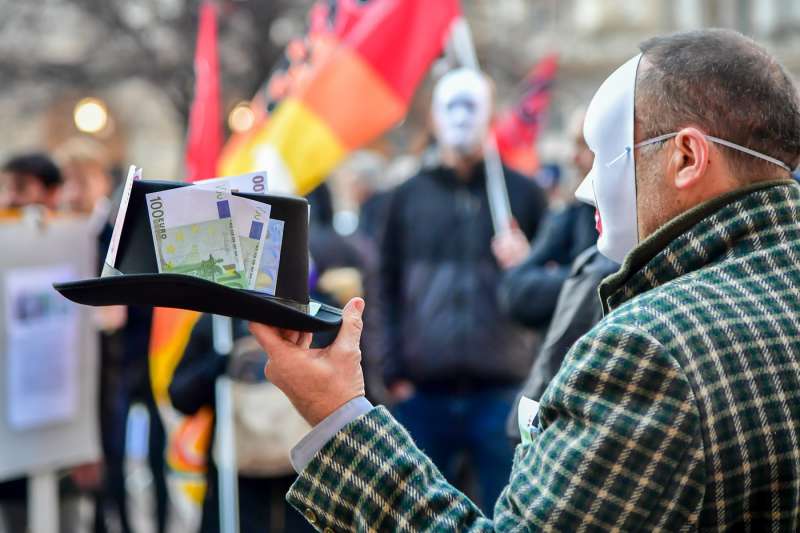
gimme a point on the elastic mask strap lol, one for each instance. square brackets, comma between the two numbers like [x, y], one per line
[717, 140]
[750, 152]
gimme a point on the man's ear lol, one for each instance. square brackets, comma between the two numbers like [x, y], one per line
[690, 157]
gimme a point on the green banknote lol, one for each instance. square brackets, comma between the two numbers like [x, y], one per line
[250, 220]
[194, 234]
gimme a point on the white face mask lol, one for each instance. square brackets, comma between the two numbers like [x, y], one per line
[611, 184]
[461, 110]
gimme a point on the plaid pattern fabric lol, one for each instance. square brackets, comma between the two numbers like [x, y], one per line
[679, 411]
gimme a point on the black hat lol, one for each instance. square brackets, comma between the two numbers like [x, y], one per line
[134, 277]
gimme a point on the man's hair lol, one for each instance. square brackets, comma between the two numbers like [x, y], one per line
[36, 165]
[726, 85]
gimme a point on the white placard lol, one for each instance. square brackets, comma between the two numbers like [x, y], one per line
[42, 338]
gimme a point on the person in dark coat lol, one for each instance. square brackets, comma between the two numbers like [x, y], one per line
[529, 291]
[452, 355]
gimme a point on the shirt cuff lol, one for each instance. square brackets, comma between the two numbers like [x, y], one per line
[318, 437]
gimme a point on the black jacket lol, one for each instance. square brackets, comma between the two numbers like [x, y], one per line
[528, 293]
[577, 311]
[439, 279]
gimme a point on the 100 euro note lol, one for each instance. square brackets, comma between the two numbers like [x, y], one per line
[254, 182]
[194, 234]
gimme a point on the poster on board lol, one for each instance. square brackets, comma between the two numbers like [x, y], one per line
[42, 330]
[48, 348]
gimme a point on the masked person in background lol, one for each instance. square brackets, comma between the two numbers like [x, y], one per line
[452, 355]
[679, 410]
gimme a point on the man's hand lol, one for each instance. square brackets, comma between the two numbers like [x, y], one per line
[511, 247]
[317, 382]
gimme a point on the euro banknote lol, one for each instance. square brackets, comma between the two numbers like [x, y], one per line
[250, 220]
[194, 234]
[267, 278]
[254, 182]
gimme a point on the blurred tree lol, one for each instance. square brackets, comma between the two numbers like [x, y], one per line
[91, 45]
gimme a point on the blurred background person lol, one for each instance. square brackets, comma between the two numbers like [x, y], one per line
[87, 188]
[452, 379]
[364, 176]
[30, 179]
[342, 268]
[262, 507]
[88, 182]
[529, 291]
[555, 288]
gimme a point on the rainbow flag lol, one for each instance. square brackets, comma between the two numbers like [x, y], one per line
[517, 128]
[352, 82]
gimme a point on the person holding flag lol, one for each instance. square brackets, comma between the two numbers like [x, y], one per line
[440, 278]
[679, 410]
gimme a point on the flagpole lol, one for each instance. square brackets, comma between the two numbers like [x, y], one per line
[202, 152]
[499, 205]
[227, 471]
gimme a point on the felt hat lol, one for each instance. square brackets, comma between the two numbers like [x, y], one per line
[134, 279]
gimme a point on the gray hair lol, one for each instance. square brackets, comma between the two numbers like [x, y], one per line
[727, 85]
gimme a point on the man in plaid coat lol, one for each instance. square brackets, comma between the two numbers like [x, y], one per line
[680, 410]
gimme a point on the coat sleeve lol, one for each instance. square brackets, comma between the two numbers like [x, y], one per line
[192, 385]
[529, 292]
[618, 445]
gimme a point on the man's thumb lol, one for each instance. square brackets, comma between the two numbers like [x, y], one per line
[350, 333]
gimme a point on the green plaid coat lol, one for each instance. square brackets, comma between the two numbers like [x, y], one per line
[679, 411]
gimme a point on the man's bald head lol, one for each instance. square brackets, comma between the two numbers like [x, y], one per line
[726, 85]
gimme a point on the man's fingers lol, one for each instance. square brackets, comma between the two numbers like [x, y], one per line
[290, 335]
[349, 336]
[305, 340]
[271, 339]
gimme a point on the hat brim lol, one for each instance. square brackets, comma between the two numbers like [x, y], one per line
[196, 294]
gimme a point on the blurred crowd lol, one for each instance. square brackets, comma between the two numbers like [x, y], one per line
[461, 315]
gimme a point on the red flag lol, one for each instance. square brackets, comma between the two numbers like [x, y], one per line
[517, 129]
[204, 140]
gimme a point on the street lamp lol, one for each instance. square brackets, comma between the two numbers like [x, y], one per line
[241, 118]
[90, 115]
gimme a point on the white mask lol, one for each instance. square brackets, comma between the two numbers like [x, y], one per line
[461, 110]
[611, 184]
